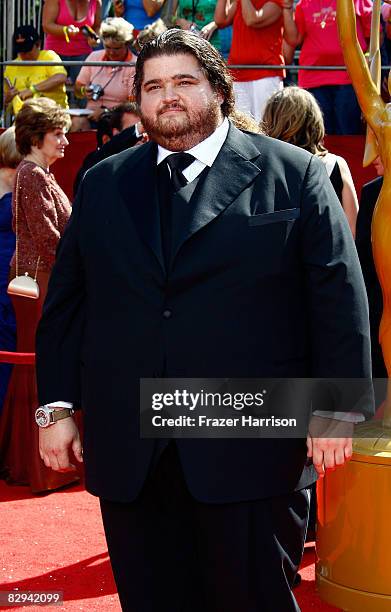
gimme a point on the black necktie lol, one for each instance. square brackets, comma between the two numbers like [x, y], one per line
[177, 162]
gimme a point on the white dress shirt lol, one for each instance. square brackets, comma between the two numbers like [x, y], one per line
[205, 152]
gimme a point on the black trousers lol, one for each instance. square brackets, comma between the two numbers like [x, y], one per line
[170, 553]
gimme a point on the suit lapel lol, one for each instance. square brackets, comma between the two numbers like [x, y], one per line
[232, 171]
[141, 196]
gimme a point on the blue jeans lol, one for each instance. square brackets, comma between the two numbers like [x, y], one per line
[341, 112]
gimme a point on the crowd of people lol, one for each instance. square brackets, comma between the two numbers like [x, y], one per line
[261, 35]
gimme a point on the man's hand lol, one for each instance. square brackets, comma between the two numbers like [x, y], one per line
[55, 442]
[329, 443]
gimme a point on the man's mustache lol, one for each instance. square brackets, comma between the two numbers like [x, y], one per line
[167, 107]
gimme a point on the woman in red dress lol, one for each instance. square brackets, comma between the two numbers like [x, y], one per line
[40, 210]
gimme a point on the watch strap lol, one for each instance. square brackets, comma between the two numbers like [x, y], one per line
[63, 413]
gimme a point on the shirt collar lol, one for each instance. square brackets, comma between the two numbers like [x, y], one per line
[205, 151]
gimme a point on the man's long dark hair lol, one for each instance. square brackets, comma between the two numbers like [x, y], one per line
[174, 42]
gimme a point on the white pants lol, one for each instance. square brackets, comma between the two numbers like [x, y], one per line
[251, 96]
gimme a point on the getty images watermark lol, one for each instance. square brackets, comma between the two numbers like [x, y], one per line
[182, 398]
[244, 408]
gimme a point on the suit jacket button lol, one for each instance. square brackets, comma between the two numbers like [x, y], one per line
[167, 314]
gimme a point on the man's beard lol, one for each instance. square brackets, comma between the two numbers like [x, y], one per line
[183, 132]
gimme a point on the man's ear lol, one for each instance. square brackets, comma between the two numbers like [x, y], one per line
[106, 137]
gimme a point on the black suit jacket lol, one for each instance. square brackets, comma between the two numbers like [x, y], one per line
[264, 281]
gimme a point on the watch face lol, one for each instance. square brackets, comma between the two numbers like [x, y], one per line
[42, 417]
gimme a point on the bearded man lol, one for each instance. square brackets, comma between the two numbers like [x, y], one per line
[207, 252]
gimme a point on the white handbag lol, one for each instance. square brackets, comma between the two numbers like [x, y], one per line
[25, 285]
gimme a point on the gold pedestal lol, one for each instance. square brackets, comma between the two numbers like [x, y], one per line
[353, 568]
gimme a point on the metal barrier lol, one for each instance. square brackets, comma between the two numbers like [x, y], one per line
[294, 67]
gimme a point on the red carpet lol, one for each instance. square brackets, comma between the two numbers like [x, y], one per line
[55, 542]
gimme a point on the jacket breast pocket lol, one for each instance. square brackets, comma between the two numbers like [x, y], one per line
[288, 214]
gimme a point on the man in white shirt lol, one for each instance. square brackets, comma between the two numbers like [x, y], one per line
[206, 253]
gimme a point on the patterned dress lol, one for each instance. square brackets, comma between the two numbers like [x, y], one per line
[43, 211]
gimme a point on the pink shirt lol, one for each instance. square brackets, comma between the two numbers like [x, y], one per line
[78, 44]
[116, 82]
[316, 21]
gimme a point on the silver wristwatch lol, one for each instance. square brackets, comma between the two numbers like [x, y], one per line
[47, 415]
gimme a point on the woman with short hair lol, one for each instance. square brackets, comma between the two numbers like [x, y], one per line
[106, 87]
[293, 115]
[40, 212]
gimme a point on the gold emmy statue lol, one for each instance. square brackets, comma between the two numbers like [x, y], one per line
[354, 528]
[371, 148]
